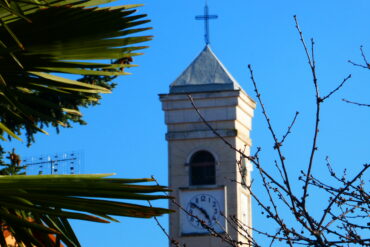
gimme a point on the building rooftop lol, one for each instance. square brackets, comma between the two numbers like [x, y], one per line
[205, 73]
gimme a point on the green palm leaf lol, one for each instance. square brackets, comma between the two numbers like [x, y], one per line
[31, 50]
[42, 42]
[42, 204]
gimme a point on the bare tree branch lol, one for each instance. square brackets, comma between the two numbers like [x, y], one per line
[289, 128]
[356, 103]
[336, 89]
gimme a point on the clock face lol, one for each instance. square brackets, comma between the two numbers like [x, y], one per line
[206, 205]
[203, 207]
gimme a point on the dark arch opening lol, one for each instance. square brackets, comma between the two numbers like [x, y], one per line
[202, 168]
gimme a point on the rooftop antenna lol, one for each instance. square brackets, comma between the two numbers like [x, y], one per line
[59, 163]
[206, 17]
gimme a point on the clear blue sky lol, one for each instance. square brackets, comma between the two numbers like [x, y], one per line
[125, 135]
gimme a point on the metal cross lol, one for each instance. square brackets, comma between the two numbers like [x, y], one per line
[206, 18]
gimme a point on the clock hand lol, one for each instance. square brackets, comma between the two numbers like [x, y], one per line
[202, 210]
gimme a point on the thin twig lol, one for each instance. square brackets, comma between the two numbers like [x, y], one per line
[289, 128]
[335, 90]
[363, 55]
[355, 103]
[172, 241]
[367, 66]
[318, 102]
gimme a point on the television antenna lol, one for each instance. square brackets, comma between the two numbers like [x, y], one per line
[59, 163]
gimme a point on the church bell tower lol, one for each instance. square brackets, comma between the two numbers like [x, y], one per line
[206, 175]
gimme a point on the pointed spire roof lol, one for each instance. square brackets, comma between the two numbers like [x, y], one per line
[205, 73]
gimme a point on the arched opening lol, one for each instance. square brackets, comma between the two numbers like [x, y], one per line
[202, 168]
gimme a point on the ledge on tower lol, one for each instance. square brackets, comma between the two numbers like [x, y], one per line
[206, 73]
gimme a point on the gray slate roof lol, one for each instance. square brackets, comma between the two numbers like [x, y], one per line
[205, 73]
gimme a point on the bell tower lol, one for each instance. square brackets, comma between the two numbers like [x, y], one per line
[206, 175]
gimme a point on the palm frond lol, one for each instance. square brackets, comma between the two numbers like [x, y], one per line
[31, 50]
[41, 205]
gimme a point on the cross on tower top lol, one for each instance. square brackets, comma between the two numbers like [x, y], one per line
[206, 18]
